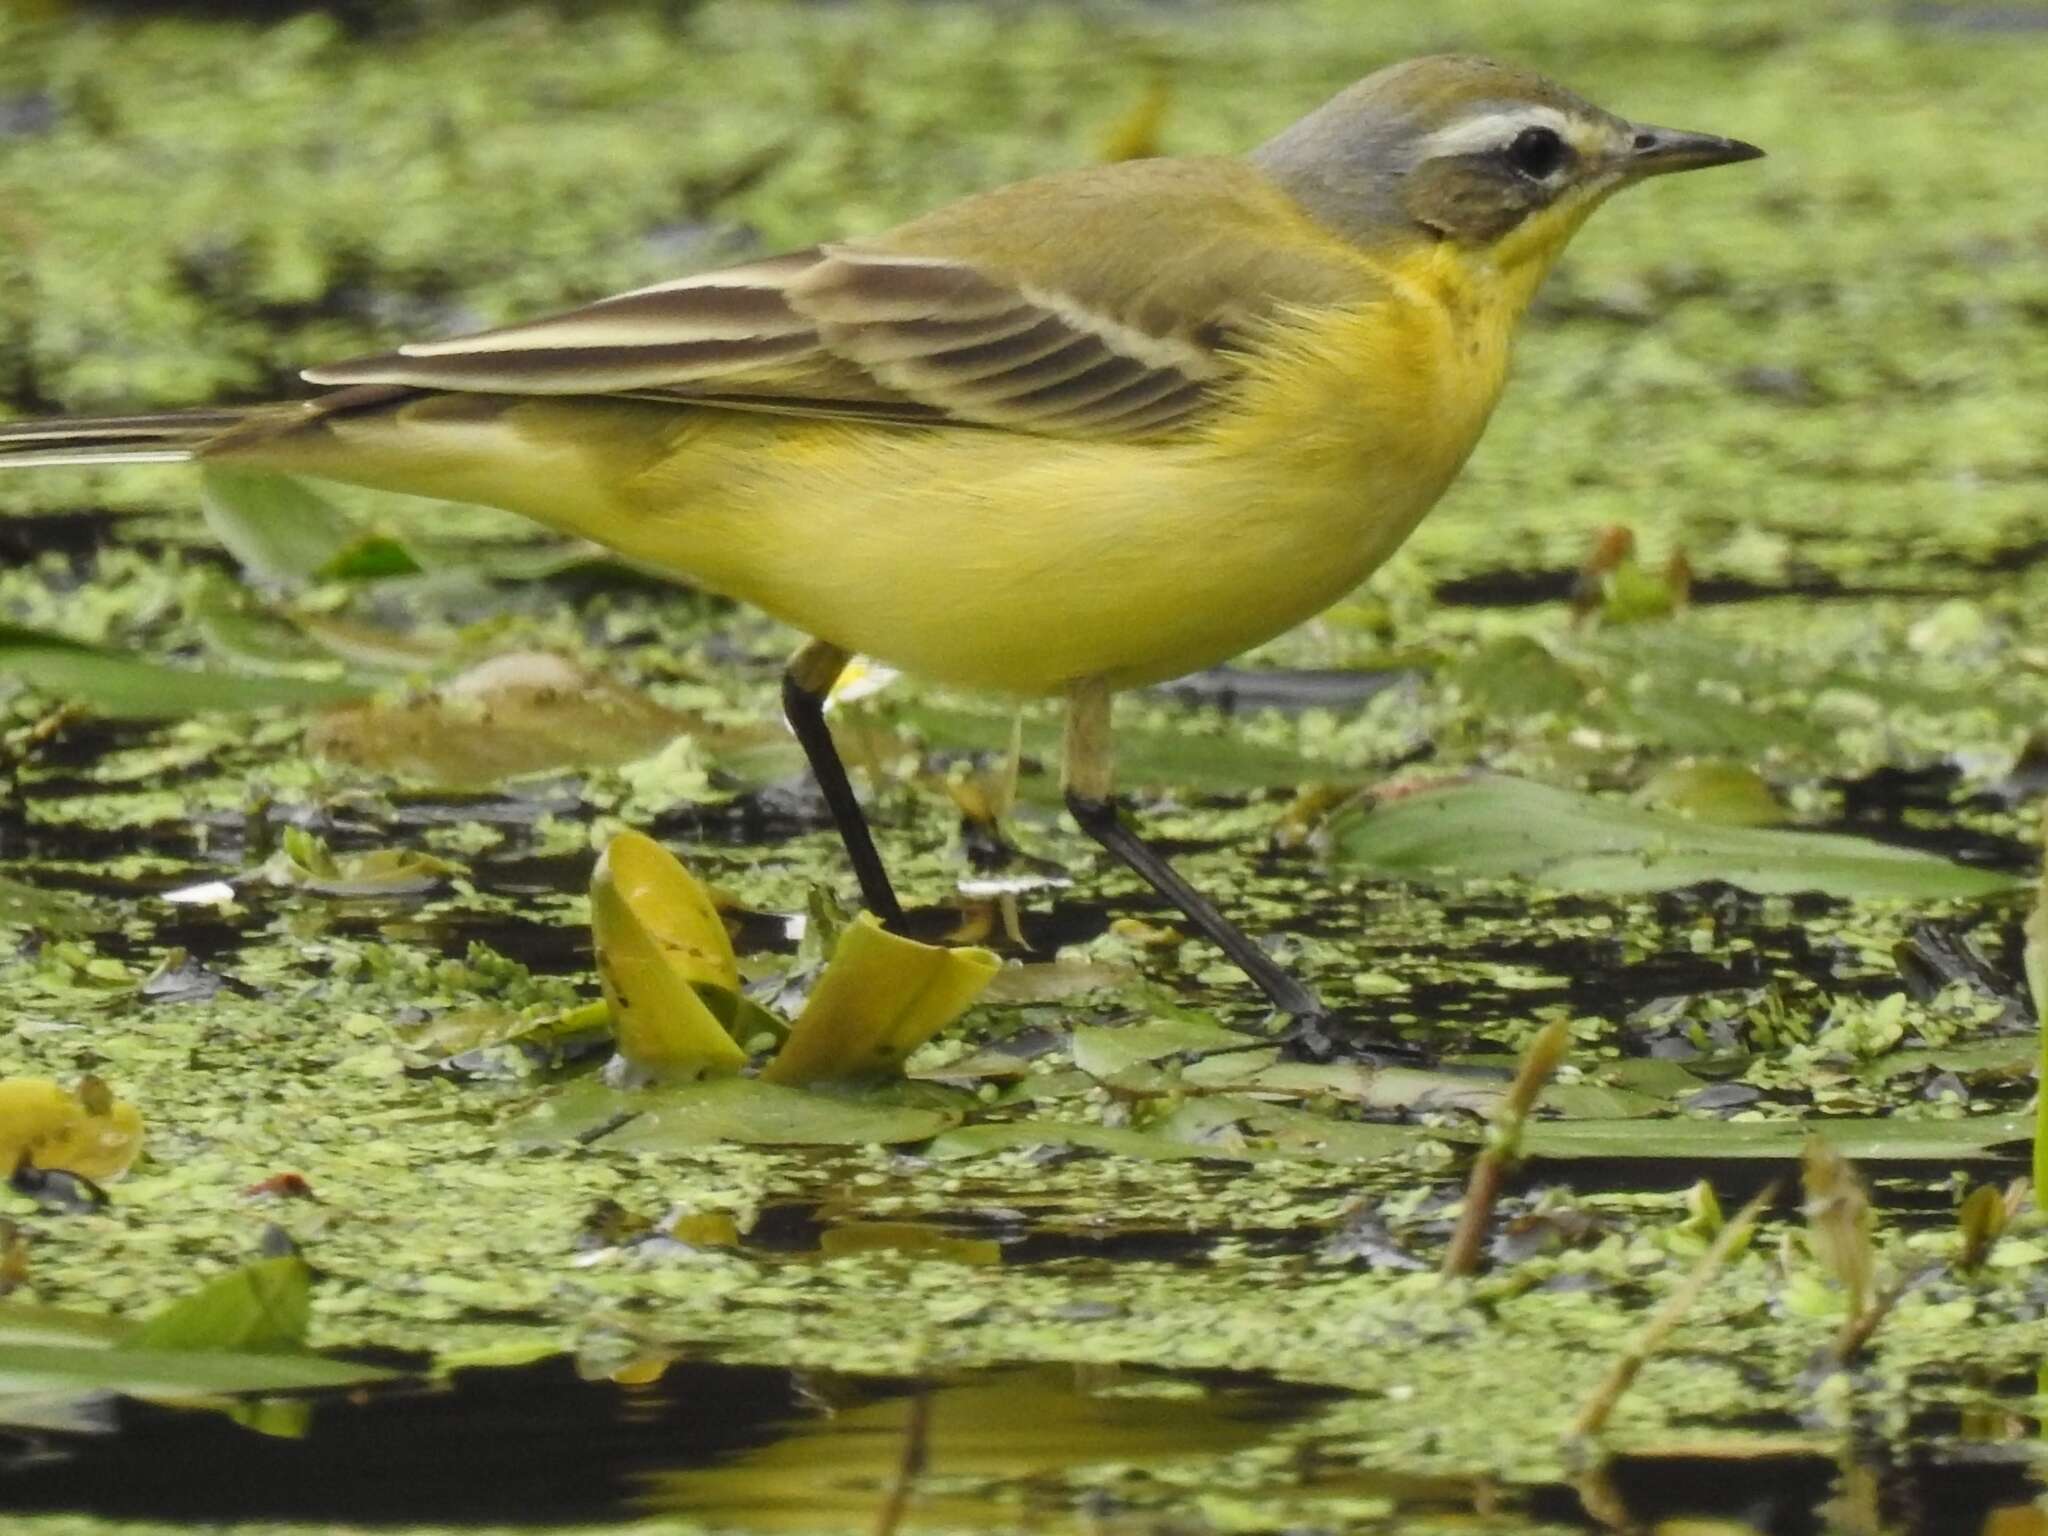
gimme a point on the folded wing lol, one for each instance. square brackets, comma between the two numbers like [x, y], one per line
[841, 331]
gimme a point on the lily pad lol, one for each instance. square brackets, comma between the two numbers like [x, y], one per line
[1104, 1051]
[1222, 1128]
[1863, 1140]
[1030, 1135]
[1494, 827]
[743, 1110]
[756, 1113]
[1227, 762]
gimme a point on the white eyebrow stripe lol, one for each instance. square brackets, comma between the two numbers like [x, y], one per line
[1490, 130]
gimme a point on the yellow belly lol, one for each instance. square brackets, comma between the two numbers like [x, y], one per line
[990, 559]
[993, 561]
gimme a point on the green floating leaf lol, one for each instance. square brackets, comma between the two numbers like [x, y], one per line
[53, 911]
[1221, 1128]
[1863, 1140]
[262, 1308]
[303, 862]
[735, 1109]
[242, 1332]
[171, 1373]
[1514, 677]
[1105, 1051]
[1370, 1087]
[1225, 761]
[371, 558]
[26, 1322]
[280, 531]
[577, 1110]
[1010, 1136]
[1492, 827]
[912, 1239]
[1289, 1132]
[241, 629]
[128, 688]
[754, 1113]
[242, 632]
[490, 1040]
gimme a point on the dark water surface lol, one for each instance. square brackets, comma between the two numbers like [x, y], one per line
[1051, 1448]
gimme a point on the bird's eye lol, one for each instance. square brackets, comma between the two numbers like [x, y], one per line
[1537, 152]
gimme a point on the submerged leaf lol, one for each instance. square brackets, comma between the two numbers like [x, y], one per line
[912, 1239]
[881, 997]
[1492, 827]
[658, 938]
[529, 712]
[86, 1131]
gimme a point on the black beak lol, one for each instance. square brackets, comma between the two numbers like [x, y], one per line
[1659, 151]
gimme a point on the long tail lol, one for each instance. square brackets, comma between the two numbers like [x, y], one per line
[160, 437]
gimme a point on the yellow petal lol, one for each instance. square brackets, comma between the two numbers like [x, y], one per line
[881, 997]
[93, 1135]
[657, 934]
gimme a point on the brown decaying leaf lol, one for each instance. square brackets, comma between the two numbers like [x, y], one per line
[527, 712]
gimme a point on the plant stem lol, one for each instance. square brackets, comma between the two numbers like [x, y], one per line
[1540, 1060]
[1593, 1415]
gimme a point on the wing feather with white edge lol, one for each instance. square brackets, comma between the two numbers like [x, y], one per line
[840, 331]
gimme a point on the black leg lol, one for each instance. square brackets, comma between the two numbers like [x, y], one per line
[805, 708]
[1099, 819]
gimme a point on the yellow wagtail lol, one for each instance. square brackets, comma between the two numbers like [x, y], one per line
[1068, 436]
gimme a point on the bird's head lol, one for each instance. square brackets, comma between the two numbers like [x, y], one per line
[1462, 149]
